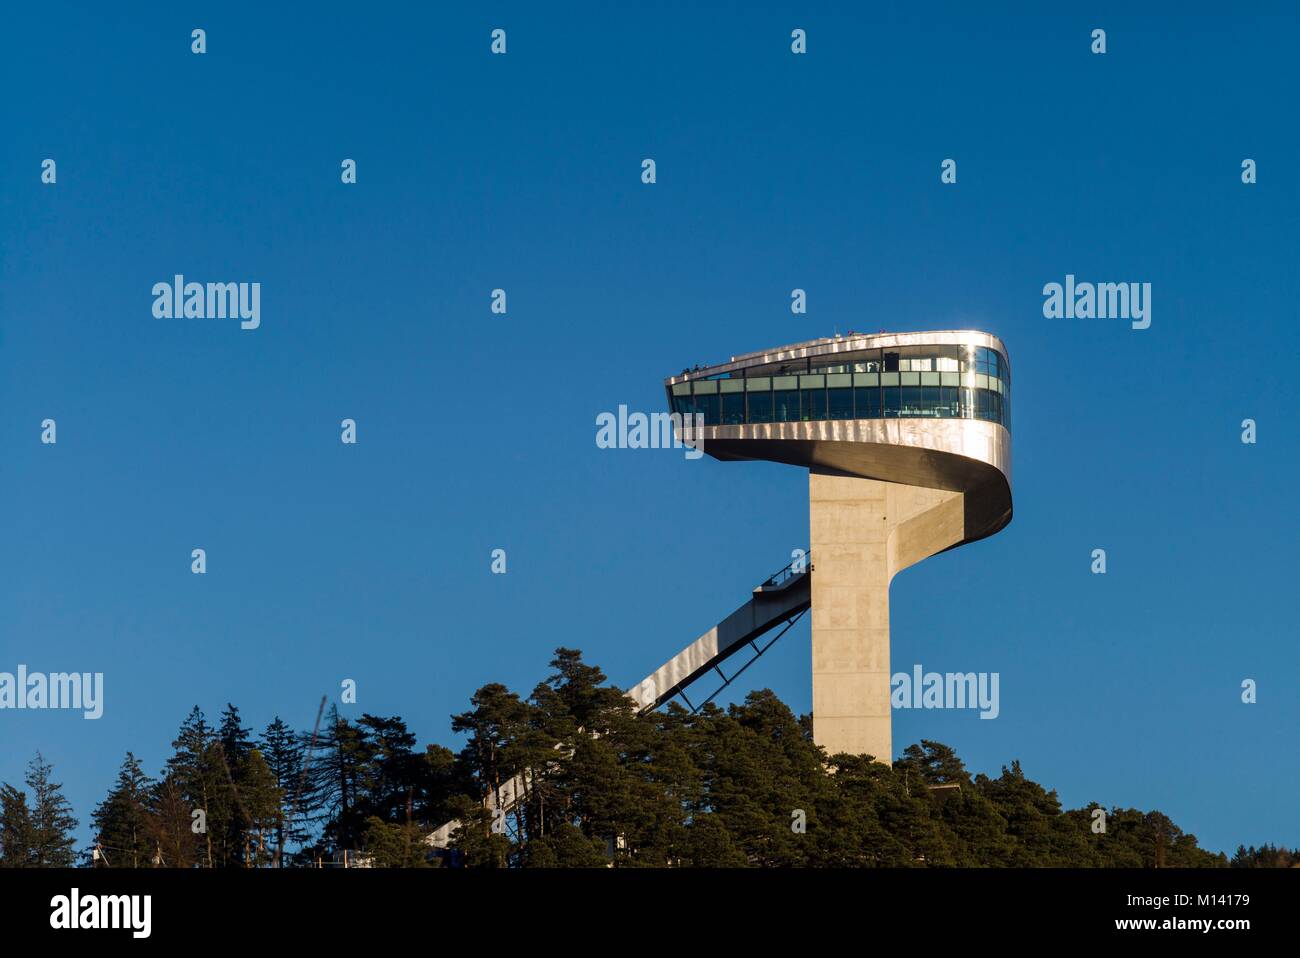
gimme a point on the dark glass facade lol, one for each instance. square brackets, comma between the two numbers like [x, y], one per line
[901, 382]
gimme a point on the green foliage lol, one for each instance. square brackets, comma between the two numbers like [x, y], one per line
[122, 827]
[283, 750]
[17, 837]
[261, 803]
[743, 786]
[198, 768]
[395, 846]
[747, 786]
[176, 845]
[1266, 856]
[52, 824]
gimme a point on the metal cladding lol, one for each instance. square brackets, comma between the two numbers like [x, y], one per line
[967, 455]
[853, 342]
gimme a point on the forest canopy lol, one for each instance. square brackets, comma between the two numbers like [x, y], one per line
[741, 786]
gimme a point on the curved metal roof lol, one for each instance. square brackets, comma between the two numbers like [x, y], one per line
[853, 342]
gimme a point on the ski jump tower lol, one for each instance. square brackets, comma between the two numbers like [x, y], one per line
[906, 439]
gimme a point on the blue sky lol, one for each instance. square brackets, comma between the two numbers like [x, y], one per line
[476, 431]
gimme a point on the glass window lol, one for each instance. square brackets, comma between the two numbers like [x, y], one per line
[949, 408]
[786, 403]
[930, 400]
[911, 402]
[840, 403]
[787, 368]
[733, 408]
[814, 404]
[939, 381]
[856, 361]
[708, 407]
[990, 363]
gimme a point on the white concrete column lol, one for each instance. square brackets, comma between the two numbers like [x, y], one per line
[862, 532]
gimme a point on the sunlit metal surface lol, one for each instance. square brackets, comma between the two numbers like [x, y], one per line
[972, 456]
[821, 348]
[764, 611]
[962, 455]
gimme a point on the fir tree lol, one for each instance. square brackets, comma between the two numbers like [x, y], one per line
[283, 750]
[171, 821]
[198, 768]
[233, 737]
[262, 800]
[52, 821]
[122, 827]
[17, 838]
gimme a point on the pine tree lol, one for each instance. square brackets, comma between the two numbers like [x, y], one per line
[391, 771]
[1266, 856]
[443, 779]
[17, 838]
[233, 736]
[171, 820]
[395, 845]
[52, 821]
[121, 821]
[199, 770]
[496, 720]
[262, 800]
[319, 795]
[603, 786]
[339, 778]
[283, 752]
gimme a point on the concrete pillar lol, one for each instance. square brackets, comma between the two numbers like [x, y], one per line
[862, 532]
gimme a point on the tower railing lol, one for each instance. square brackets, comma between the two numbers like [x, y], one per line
[781, 578]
